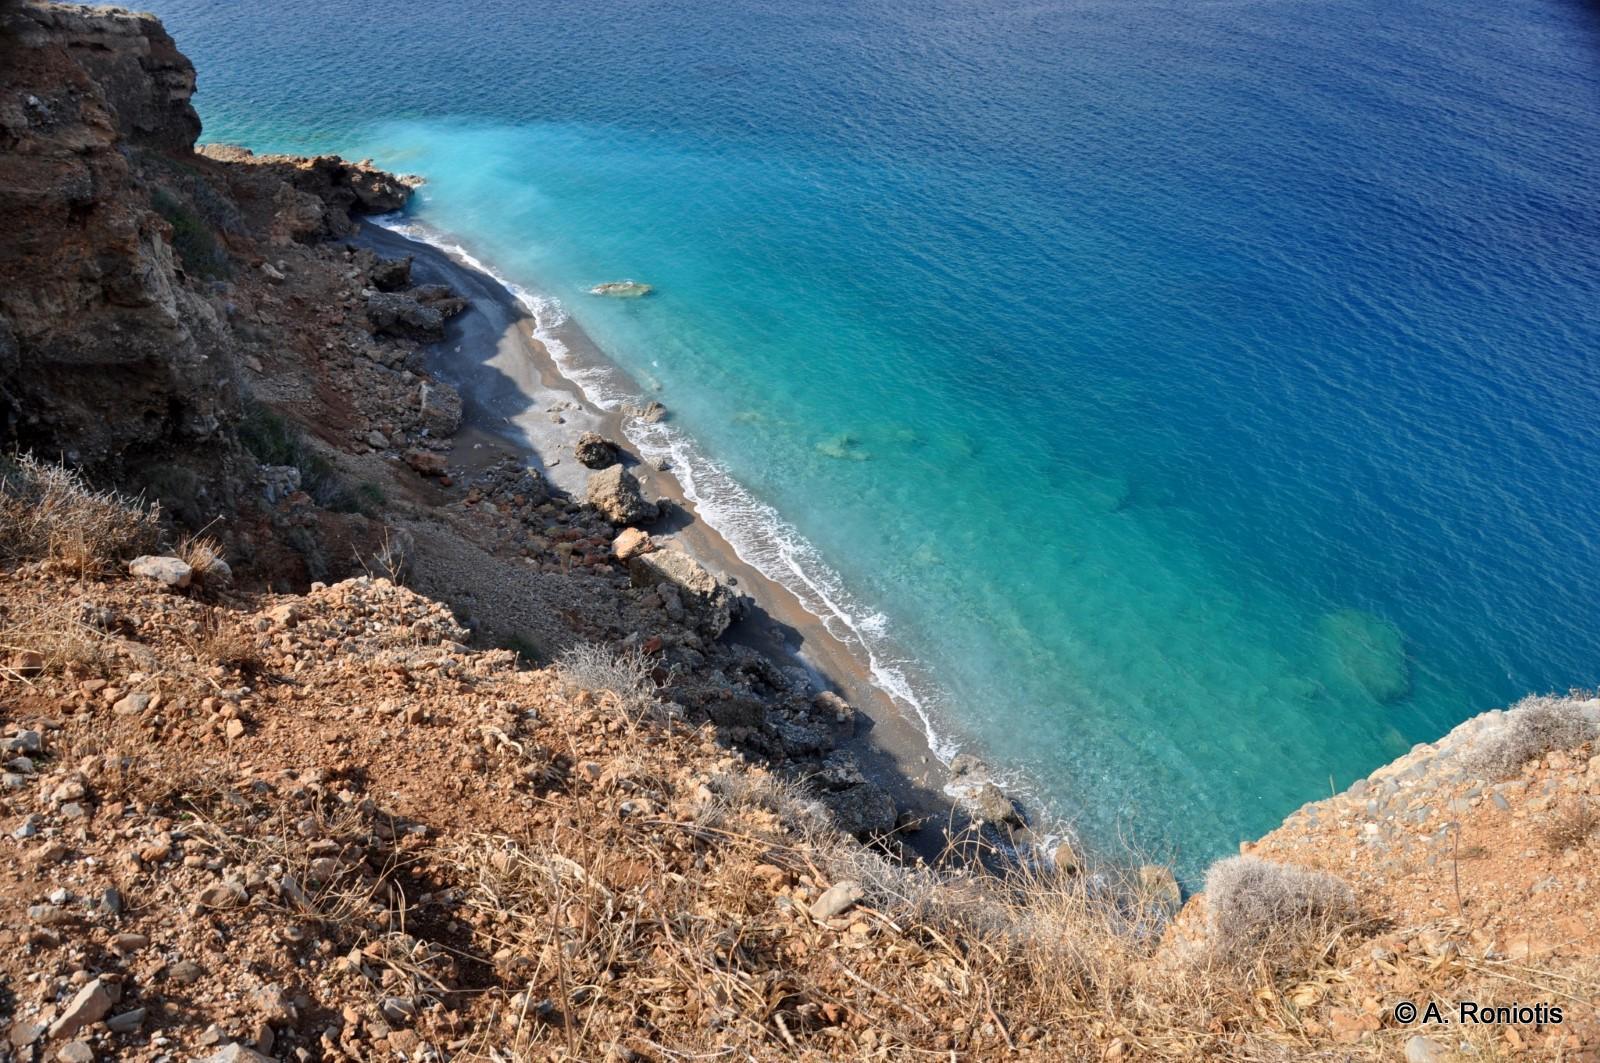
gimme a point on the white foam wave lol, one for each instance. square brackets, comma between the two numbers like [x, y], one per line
[758, 533]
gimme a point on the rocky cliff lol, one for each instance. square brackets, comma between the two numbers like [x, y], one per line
[125, 322]
[255, 810]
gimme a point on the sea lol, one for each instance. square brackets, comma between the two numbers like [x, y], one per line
[1186, 407]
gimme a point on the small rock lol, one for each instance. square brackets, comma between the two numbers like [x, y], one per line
[223, 895]
[629, 543]
[392, 274]
[76, 1052]
[27, 663]
[1161, 888]
[132, 705]
[91, 1004]
[990, 805]
[127, 944]
[185, 972]
[127, 1022]
[838, 898]
[236, 1054]
[399, 1011]
[1420, 1049]
[24, 742]
[427, 463]
[168, 570]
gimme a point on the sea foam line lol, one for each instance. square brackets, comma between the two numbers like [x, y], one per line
[758, 534]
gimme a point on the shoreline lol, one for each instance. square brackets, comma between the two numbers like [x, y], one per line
[516, 395]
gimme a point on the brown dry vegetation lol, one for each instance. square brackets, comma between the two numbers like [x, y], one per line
[334, 831]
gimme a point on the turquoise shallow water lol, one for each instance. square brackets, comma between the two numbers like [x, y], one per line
[1189, 405]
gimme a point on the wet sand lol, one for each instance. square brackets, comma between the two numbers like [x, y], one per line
[516, 399]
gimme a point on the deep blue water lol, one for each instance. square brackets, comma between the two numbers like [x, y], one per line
[1194, 403]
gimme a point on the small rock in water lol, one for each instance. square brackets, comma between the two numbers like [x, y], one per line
[622, 289]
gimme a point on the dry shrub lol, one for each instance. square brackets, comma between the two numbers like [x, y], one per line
[48, 512]
[1571, 826]
[1533, 727]
[1260, 911]
[596, 669]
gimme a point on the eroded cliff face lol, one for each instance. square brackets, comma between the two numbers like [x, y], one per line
[129, 284]
[110, 350]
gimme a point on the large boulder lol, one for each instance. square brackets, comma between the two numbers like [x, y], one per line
[989, 804]
[616, 494]
[392, 274]
[393, 314]
[439, 408]
[440, 297]
[709, 604]
[595, 451]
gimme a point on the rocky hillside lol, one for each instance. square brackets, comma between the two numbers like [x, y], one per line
[368, 743]
[241, 825]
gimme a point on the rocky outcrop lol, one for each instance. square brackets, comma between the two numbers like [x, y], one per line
[110, 346]
[616, 494]
[709, 604]
[327, 192]
[392, 274]
[438, 297]
[397, 314]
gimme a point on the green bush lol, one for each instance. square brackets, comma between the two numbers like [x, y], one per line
[192, 238]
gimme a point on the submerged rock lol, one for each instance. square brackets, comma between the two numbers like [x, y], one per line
[594, 451]
[843, 447]
[621, 289]
[1371, 651]
[616, 494]
[709, 604]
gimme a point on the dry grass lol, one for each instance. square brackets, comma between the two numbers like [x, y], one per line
[48, 636]
[203, 554]
[48, 513]
[680, 940]
[223, 642]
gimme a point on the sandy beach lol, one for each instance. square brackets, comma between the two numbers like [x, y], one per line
[517, 400]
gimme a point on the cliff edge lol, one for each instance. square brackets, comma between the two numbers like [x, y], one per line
[328, 735]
